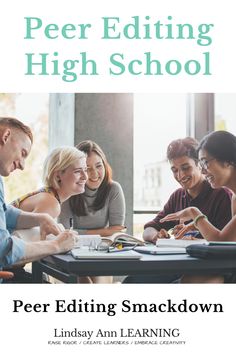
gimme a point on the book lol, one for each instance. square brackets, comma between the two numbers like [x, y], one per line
[123, 239]
[172, 242]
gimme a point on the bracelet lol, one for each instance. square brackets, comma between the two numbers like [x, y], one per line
[195, 221]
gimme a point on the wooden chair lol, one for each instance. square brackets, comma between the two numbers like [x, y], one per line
[6, 275]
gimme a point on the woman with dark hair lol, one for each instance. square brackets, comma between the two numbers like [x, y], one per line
[217, 160]
[101, 209]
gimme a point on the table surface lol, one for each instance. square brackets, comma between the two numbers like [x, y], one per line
[147, 265]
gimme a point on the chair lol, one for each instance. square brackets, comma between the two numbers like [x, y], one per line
[6, 275]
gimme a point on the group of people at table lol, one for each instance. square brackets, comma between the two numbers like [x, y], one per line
[78, 185]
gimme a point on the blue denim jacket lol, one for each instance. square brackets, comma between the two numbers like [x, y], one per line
[12, 249]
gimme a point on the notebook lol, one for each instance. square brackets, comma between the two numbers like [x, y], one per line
[81, 253]
[154, 250]
[172, 242]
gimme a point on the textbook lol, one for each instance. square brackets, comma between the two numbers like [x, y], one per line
[172, 242]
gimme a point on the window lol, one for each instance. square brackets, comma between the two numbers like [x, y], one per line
[31, 109]
[225, 112]
[158, 119]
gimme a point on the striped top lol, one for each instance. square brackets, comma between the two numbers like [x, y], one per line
[16, 203]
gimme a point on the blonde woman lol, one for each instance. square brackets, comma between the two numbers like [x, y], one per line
[101, 209]
[64, 175]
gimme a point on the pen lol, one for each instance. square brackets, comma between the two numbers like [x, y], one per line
[71, 223]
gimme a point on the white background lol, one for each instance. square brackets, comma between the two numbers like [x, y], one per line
[202, 332]
[14, 46]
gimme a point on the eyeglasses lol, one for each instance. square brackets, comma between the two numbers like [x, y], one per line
[204, 164]
[104, 246]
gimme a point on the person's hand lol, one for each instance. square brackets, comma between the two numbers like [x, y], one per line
[160, 234]
[66, 240]
[184, 215]
[177, 228]
[48, 226]
[151, 235]
[163, 234]
[183, 230]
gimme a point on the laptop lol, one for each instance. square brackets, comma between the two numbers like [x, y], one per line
[119, 255]
[154, 250]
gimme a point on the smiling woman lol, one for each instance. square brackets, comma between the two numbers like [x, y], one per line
[65, 174]
[101, 209]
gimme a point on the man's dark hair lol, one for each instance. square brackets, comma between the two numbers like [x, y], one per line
[183, 147]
